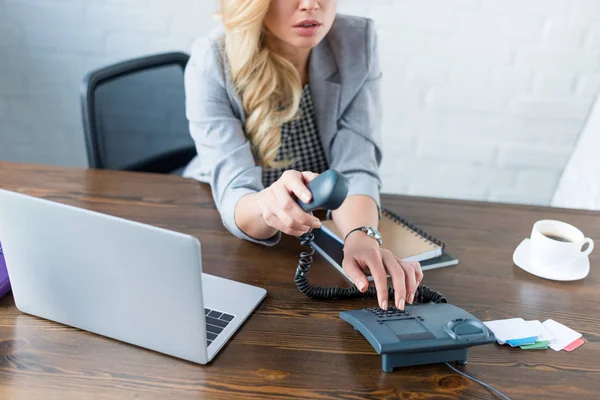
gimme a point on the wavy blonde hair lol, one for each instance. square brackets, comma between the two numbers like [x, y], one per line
[268, 84]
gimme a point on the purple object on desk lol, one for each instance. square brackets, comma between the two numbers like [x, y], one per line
[4, 282]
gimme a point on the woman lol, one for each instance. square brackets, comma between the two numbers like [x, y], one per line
[287, 90]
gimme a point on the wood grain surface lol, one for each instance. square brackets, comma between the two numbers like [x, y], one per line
[292, 346]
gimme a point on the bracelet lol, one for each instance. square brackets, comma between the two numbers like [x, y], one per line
[370, 232]
[353, 230]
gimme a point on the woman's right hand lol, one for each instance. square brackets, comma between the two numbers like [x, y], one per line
[278, 207]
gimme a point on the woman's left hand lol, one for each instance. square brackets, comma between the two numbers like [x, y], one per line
[362, 252]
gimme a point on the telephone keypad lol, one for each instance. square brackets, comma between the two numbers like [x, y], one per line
[389, 314]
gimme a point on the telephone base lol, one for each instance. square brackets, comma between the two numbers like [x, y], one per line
[420, 334]
[389, 361]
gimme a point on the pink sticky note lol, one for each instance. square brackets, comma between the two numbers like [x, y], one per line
[573, 345]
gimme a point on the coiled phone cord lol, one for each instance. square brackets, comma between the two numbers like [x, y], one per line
[423, 294]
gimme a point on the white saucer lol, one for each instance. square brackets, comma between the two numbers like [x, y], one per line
[578, 270]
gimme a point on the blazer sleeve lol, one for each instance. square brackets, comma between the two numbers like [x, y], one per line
[219, 136]
[356, 148]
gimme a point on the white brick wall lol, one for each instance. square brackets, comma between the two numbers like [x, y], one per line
[483, 99]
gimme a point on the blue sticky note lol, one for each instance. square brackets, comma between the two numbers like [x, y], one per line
[522, 341]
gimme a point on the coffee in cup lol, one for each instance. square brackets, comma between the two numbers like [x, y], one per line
[556, 237]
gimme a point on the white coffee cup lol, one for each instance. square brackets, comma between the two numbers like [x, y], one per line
[557, 245]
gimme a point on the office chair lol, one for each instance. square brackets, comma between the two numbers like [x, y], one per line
[134, 115]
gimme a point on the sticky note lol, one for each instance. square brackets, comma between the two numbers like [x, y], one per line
[573, 345]
[515, 330]
[563, 335]
[522, 342]
[540, 329]
[540, 345]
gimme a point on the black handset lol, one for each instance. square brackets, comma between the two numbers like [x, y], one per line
[329, 190]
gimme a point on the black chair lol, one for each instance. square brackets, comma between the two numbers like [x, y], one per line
[134, 115]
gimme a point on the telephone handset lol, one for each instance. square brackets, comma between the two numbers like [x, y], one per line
[329, 191]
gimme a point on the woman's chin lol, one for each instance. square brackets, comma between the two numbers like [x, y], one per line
[304, 42]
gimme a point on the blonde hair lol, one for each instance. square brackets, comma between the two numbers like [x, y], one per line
[268, 84]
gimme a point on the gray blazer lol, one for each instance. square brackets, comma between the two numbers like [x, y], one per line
[344, 79]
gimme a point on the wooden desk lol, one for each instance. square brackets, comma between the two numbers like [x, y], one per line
[293, 347]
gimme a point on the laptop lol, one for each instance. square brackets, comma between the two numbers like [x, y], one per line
[125, 280]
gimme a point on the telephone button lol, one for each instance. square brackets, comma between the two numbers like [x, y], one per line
[467, 329]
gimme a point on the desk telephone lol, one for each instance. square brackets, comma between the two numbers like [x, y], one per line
[428, 331]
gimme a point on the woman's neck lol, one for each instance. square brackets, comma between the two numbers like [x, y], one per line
[297, 56]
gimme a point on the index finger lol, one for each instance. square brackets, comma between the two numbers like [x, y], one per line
[294, 183]
[375, 264]
[309, 176]
[293, 210]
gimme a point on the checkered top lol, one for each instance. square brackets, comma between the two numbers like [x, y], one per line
[299, 139]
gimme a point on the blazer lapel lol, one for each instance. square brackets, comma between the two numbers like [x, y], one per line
[325, 87]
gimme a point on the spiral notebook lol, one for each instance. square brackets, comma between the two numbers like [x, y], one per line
[406, 240]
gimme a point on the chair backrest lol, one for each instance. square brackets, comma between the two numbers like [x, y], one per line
[134, 115]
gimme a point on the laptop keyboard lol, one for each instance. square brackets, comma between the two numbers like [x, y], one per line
[215, 323]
